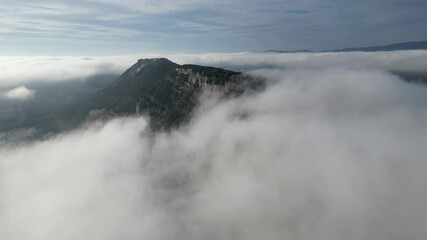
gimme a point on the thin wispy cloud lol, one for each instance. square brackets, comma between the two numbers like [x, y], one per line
[235, 25]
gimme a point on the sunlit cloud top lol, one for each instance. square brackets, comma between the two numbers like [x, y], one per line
[128, 26]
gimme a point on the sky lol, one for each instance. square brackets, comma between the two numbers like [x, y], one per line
[111, 27]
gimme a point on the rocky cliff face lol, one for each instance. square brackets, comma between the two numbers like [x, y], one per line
[198, 80]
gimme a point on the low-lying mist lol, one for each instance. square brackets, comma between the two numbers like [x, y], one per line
[16, 71]
[332, 152]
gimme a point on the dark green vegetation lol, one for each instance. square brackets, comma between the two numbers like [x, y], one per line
[162, 90]
[165, 91]
[413, 77]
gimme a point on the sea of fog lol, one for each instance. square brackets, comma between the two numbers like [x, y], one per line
[334, 148]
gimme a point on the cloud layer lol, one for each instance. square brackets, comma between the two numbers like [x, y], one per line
[325, 152]
[405, 61]
[23, 70]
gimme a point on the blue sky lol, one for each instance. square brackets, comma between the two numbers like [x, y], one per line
[105, 27]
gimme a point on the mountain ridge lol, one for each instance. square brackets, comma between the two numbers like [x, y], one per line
[414, 45]
[164, 91]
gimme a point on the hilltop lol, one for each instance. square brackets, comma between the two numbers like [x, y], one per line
[164, 91]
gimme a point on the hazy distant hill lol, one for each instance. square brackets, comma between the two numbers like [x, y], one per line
[51, 98]
[392, 47]
[421, 45]
[292, 51]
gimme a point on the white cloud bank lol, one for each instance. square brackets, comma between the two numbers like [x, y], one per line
[16, 71]
[324, 153]
[390, 61]
[19, 93]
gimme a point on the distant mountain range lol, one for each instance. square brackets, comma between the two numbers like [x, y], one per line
[421, 45]
[292, 51]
